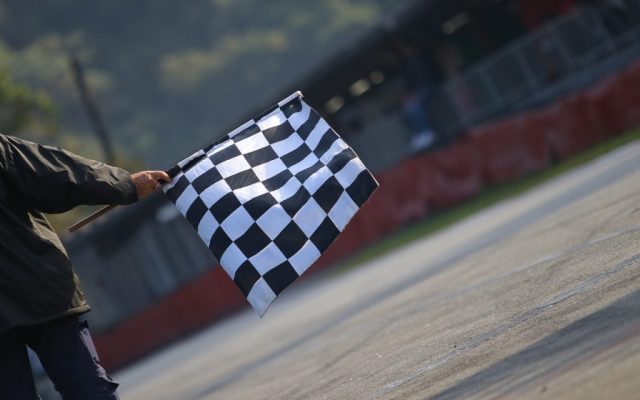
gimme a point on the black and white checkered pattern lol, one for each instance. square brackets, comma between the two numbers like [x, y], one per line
[270, 197]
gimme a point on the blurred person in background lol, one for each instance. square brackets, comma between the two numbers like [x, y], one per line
[40, 295]
[416, 98]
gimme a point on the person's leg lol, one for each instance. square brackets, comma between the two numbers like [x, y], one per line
[66, 351]
[16, 379]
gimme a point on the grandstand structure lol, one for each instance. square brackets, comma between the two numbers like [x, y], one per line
[473, 61]
[516, 67]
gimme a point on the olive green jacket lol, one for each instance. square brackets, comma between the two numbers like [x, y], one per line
[37, 283]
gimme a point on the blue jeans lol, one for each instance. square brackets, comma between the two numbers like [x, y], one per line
[65, 349]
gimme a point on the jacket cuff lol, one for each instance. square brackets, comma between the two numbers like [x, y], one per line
[128, 189]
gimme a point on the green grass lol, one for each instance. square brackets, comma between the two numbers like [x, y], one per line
[488, 197]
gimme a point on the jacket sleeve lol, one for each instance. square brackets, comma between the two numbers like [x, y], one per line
[53, 180]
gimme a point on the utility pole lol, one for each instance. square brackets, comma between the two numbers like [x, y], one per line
[92, 109]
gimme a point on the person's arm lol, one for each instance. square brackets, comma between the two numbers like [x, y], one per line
[53, 180]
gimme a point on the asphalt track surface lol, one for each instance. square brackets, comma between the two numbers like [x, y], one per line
[536, 297]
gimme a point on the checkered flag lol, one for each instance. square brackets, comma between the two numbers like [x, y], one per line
[271, 196]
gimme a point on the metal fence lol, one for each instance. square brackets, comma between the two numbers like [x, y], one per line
[562, 56]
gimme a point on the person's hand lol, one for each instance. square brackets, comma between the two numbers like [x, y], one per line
[148, 181]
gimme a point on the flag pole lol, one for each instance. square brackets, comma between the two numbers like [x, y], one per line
[106, 209]
[91, 217]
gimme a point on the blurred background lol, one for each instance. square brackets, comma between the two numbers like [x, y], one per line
[440, 98]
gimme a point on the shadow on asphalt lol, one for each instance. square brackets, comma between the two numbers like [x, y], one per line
[548, 357]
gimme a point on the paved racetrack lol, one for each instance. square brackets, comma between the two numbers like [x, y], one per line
[537, 297]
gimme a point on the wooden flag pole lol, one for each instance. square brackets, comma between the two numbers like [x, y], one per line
[91, 217]
[172, 172]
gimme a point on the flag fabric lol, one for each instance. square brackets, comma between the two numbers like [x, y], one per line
[271, 196]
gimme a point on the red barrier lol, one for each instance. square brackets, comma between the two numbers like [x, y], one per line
[511, 148]
[456, 174]
[573, 130]
[198, 303]
[605, 104]
[628, 91]
[600, 105]
[614, 103]
[399, 188]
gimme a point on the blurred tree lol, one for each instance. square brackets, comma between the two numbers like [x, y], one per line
[168, 76]
[171, 76]
[22, 109]
[33, 114]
